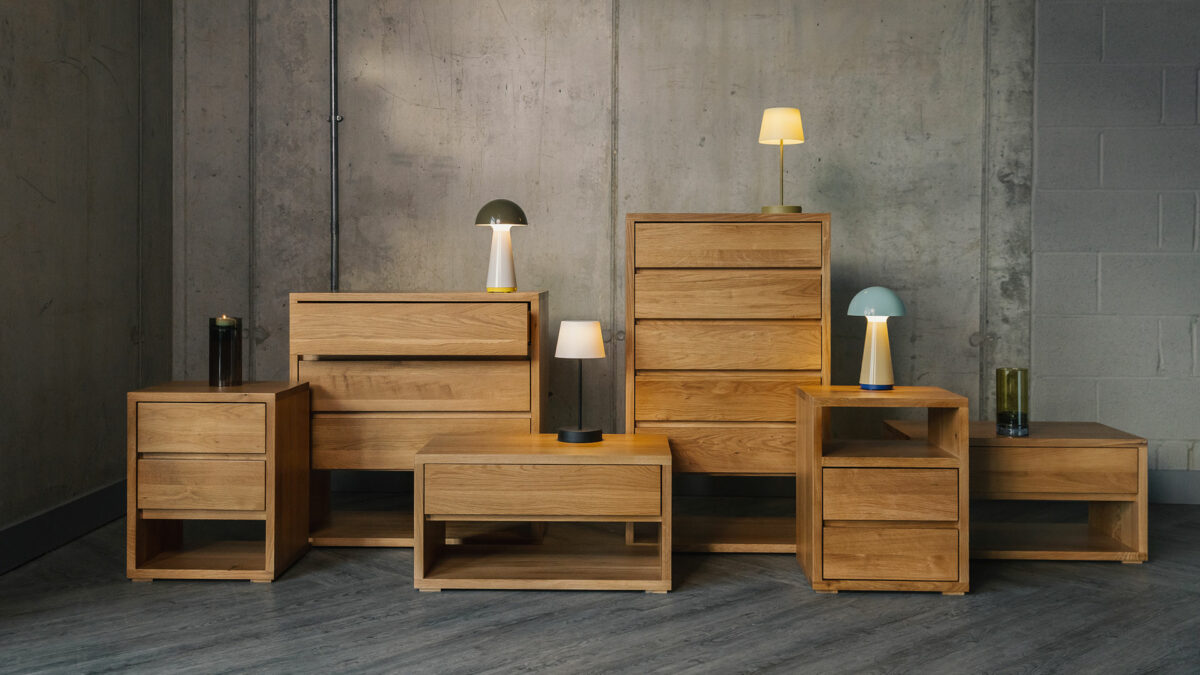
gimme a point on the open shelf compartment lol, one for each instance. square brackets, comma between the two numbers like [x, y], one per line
[571, 556]
[189, 549]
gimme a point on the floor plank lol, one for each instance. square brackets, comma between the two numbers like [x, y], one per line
[354, 609]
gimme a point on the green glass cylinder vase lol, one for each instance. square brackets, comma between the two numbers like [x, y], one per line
[1012, 401]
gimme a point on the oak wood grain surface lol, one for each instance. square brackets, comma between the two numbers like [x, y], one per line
[371, 386]
[744, 244]
[201, 484]
[388, 441]
[764, 396]
[541, 489]
[890, 494]
[201, 427]
[727, 294]
[709, 345]
[890, 553]
[735, 448]
[410, 328]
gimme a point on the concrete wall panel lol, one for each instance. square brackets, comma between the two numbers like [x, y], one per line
[892, 98]
[212, 157]
[72, 342]
[291, 169]
[448, 105]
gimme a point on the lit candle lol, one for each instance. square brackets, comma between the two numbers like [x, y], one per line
[224, 351]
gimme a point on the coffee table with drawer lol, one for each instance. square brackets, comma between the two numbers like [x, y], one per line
[218, 480]
[1058, 461]
[583, 492]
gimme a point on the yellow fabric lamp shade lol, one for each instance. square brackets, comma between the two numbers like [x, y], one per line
[579, 340]
[781, 125]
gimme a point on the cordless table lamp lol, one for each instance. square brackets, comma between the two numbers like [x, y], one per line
[580, 340]
[877, 304]
[782, 126]
[502, 215]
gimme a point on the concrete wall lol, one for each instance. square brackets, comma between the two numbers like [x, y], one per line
[917, 117]
[1116, 227]
[84, 239]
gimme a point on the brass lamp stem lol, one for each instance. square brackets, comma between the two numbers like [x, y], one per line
[781, 171]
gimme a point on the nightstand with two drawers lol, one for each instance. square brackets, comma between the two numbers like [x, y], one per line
[217, 480]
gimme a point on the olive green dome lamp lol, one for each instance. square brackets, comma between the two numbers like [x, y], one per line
[501, 215]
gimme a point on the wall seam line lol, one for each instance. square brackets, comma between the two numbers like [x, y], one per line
[985, 345]
[184, 141]
[616, 398]
[141, 309]
[252, 173]
[1033, 56]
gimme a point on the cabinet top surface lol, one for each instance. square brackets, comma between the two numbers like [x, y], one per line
[1043, 434]
[727, 217]
[446, 296]
[201, 391]
[544, 449]
[852, 396]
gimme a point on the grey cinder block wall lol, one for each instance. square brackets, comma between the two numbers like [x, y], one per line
[1116, 228]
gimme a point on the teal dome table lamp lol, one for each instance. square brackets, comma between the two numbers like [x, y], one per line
[877, 304]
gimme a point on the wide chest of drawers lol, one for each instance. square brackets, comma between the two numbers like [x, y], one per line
[388, 371]
[726, 314]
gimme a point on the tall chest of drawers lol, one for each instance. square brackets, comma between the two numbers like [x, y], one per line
[388, 371]
[726, 314]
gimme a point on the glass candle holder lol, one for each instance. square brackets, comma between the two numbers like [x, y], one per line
[224, 351]
[1012, 401]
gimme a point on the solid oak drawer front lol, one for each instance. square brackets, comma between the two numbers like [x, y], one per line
[890, 494]
[542, 490]
[729, 448]
[728, 244]
[226, 485]
[727, 294]
[719, 396]
[1070, 470]
[911, 554]
[202, 427]
[369, 441]
[417, 385]
[706, 345]
[410, 328]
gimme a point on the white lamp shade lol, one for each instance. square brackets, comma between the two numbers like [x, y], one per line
[781, 125]
[579, 340]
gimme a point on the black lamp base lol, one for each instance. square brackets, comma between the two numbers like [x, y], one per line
[580, 436]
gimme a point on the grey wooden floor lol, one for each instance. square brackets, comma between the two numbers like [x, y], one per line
[355, 610]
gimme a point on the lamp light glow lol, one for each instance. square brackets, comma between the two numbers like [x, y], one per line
[501, 215]
[876, 304]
